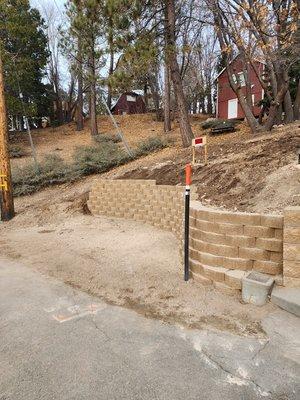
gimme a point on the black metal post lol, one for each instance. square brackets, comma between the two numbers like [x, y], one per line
[186, 234]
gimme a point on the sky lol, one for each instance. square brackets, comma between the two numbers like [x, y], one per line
[40, 3]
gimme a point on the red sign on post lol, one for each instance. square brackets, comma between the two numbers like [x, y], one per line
[199, 141]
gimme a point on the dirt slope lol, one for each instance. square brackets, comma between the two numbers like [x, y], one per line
[244, 173]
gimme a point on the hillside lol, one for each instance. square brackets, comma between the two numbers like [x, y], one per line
[244, 172]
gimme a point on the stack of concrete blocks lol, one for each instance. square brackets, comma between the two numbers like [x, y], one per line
[225, 245]
[291, 247]
[141, 200]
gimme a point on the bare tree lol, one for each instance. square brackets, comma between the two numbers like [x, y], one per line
[171, 57]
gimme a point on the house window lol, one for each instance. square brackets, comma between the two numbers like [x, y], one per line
[241, 78]
[131, 98]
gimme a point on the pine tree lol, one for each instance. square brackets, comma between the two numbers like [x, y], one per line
[24, 58]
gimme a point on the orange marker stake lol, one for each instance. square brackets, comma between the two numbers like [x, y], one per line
[188, 181]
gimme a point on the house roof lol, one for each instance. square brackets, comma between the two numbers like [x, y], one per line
[234, 58]
[136, 92]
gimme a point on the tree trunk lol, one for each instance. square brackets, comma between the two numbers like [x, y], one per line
[288, 108]
[297, 103]
[146, 96]
[167, 100]
[184, 122]
[209, 99]
[6, 201]
[79, 107]
[111, 62]
[276, 104]
[155, 94]
[93, 97]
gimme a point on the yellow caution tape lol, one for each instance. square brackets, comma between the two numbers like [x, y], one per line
[3, 182]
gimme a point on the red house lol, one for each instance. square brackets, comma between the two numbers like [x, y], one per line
[228, 106]
[129, 103]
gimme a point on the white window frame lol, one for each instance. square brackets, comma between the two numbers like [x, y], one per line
[130, 98]
[242, 78]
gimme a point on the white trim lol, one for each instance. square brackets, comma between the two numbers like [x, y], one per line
[234, 112]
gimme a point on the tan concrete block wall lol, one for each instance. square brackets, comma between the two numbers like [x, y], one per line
[224, 245]
[291, 247]
[141, 200]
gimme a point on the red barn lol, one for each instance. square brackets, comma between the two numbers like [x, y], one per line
[129, 103]
[227, 106]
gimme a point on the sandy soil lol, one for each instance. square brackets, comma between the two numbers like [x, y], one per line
[124, 262]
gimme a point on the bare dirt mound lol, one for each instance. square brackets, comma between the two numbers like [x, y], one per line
[256, 174]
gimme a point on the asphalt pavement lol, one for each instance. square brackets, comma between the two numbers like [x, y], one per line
[59, 343]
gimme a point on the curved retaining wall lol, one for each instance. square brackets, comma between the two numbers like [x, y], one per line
[223, 245]
[140, 200]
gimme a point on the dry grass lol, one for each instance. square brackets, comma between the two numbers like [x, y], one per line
[63, 140]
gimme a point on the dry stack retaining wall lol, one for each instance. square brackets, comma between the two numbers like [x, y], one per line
[291, 247]
[223, 245]
[140, 200]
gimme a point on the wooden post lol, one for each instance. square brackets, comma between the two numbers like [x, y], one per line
[7, 203]
[205, 152]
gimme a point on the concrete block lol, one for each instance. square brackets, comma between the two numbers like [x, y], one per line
[230, 229]
[237, 218]
[291, 234]
[202, 279]
[241, 241]
[196, 234]
[207, 226]
[215, 238]
[196, 267]
[269, 244]
[291, 252]
[211, 260]
[199, 245]
[272, 221]
[237, 263]
[252, 253]
[204, 215]
[214, 273]
[233, 278]
[276, 256]
[292, 216]
[225, 289]
[259, 231]
[192, 222]
[291, 282]
[287, 298]
[267, 267]
[221, 250]
[195, 255]
[256, 288]
[291, 268]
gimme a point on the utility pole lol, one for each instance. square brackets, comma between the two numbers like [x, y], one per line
[6, 198]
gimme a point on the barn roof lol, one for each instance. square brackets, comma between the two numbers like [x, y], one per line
[234, 58]
[136, 92]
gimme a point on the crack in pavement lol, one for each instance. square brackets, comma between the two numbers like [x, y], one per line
[261, 349]
[260, 390]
